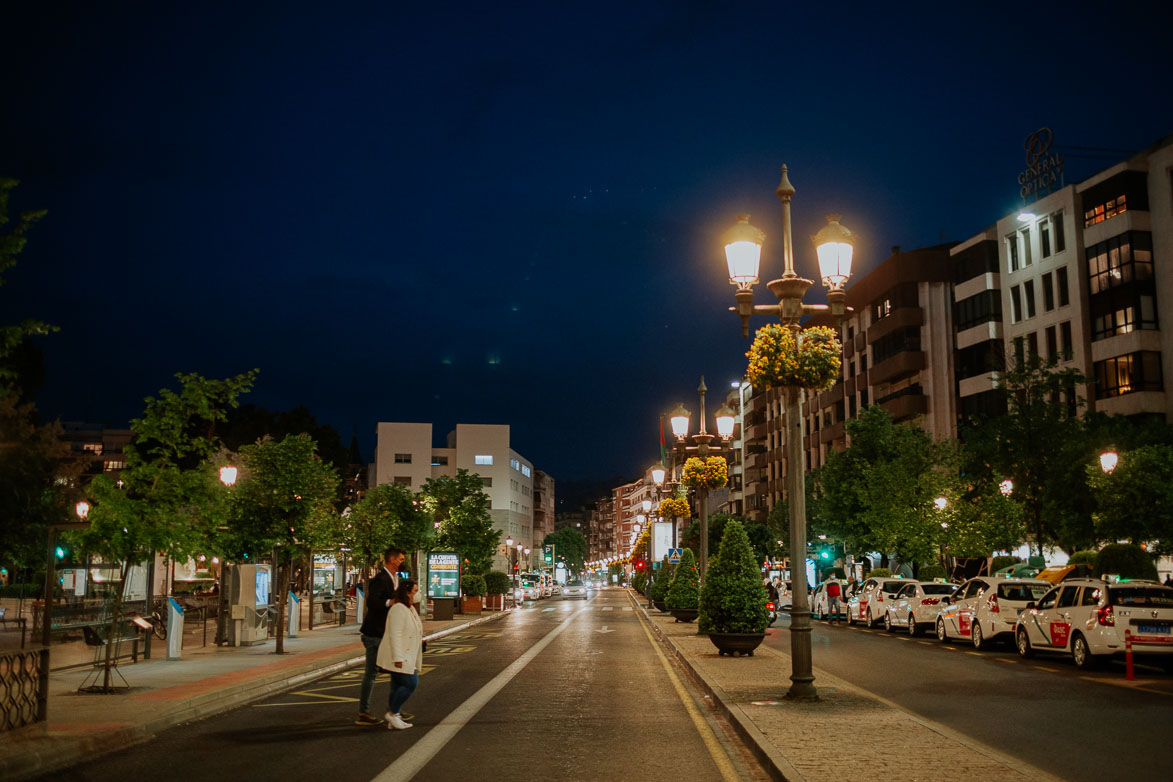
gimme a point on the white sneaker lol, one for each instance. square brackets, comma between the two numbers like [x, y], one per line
[395, 722]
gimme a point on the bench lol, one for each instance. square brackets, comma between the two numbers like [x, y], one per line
[98, 635]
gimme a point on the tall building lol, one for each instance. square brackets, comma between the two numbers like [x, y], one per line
[404, 454]
[544, 520]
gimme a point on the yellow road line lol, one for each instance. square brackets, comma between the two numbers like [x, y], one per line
[1126, 685]
[716, 751]
[1045, 668]
[976, 654]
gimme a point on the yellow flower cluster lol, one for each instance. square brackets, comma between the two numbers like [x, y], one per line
[774, 360]
[710, 473]
[674, 507]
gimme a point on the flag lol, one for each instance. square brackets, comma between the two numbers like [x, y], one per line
[663, 447]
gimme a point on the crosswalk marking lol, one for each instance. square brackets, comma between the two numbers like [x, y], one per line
[607, 608]
[544, 610]
[628, 608]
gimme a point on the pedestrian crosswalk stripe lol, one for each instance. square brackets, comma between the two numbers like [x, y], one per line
[628, 608]
[544, 610]
[608, 608]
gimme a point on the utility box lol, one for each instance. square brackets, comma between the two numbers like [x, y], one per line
[248, 599]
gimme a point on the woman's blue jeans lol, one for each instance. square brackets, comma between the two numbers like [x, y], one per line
[402, 686]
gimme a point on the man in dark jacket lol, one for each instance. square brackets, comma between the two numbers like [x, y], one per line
[382, 587]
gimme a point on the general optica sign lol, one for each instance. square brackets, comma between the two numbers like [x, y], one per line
[443, 574]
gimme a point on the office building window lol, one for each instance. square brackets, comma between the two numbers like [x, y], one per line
[1057, 229]
[483, 458]
[1048, 293]
[1122, 314]
[487, 483]
[1125, 374]
[1065, 339]
[1025, 247]
[403, 458]
[1061, 283]
[1032, 343]
[439, 461]
[515, 464]
[1052, 344]
[1019, 351]
[1028, 288]
[1105, 211]
[1012, 251]
[1120, 260]
[1015, 305]
[403, 479]
[980, 308]
[1044, 239]
[525, 470]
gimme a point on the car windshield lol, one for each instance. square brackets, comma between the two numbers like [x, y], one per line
[574, 583]
[938, 589]
[1022, 592]
[528, 583]
[1154, 597]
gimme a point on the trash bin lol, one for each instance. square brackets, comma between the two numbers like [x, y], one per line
[442, 609]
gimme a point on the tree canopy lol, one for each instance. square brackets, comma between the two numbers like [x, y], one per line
[460, 511]
[570, 544]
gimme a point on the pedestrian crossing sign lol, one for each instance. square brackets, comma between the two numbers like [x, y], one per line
[674, 555]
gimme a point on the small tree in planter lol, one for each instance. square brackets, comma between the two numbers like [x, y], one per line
[684, 590]
[496, 586]
[473, 587]
[733, 601]
[658, 593]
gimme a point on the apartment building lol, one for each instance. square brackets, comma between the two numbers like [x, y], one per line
[405, 454]
[102, 447]
[543, 505]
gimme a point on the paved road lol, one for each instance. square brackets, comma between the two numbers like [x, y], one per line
[1044, 711]
[561, 690]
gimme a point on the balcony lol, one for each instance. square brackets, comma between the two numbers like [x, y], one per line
[758, 431]
[902, 317]
[903, 364]
[906, 406]
[831, 433]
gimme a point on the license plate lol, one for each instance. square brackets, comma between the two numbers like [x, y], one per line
[1153, 629]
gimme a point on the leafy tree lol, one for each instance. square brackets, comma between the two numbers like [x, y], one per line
[460, 510]
[1135, 501]
[1126, 560]
[12, 241]
[283, 503]
[684, 589]
[570, 544]
[733, 599]
[982, 521]
[162, 499]
[497, 582]
[389, 514]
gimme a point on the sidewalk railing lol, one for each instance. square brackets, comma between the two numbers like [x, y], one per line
[21, 699]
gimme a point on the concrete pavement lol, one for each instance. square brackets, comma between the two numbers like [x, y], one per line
[850, 735]
[162, 694]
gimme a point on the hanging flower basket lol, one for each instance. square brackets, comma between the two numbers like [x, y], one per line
[774, 360]
[674, 507]
[710, 473]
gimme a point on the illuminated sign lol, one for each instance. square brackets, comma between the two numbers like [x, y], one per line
[1044, 169]
[443, 574]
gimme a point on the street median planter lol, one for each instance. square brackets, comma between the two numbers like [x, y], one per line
[735, 644]
[660, 606]
[495, 602]
[684, 614]
[471, 604]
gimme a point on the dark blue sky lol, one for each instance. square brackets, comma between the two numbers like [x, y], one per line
[496, 213]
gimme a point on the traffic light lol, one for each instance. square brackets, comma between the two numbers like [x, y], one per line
[639, 564]
[514, 567]
[61, 552]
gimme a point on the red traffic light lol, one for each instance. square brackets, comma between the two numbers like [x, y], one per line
[515, 566]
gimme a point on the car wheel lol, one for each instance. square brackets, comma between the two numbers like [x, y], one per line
[1081, 655]
[869, 623]
[887, 622]
[913, 630]
[975, 635]
[850, 621]
[941, 636]
[1022, 642]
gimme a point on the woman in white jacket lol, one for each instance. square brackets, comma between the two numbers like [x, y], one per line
[401, 651]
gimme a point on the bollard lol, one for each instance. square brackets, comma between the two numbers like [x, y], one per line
[294, 615]
[174, 629]
[1129, 675]
[360, 603]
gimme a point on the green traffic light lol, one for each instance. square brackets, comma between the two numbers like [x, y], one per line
[60, 552]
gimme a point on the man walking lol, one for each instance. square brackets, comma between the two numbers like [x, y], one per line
[382, 590]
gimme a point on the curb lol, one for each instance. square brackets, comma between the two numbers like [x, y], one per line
[58, 754]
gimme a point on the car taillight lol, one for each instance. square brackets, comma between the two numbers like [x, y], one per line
[879, 597]
[992, 604]
[1106, 616]
[769, 606]
[930, 601]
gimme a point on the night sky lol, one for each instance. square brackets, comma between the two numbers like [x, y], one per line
[496, 213]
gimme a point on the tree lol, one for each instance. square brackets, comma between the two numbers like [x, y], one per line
[389, 514]
[684, 588]
[282, 502]
[11, 243]
[733, 599]
[250, 423]
[570, 544]
[1135, 501]
[460, 511]
[161, 501]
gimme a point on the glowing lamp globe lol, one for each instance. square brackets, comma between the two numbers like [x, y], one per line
[678, 419]
[1108, 461]
[743, 252]
[658, 475]
[228, 475]
[725, 422]
[835, 246]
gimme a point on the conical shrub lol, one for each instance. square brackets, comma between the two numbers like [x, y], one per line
[684, 590]
[659, 588]
[734, 598]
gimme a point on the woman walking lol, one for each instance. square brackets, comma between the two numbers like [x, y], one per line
[401, 651]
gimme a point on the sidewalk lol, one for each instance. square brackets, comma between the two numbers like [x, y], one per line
[206, 681]
[826, 741]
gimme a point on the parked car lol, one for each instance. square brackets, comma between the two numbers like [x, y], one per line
[529, 590]
[916, 605]
[868, 604]
[986, 608]
[574, 588]
[785, 595]
[1087, 619]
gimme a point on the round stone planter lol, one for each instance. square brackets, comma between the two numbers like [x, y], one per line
[735, 644]
[684, 614]
[660, 606]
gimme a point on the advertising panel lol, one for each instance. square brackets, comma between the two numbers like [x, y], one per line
[661, 540]
[443, 574]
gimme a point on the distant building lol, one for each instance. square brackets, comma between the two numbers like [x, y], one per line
[103, 447]
[544, 519]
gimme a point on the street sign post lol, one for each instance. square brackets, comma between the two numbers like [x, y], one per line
[548, 555]
[674, 555]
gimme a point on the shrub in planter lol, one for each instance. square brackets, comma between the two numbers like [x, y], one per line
[1083, 558]
[496, 583]
[1124, 559]
[640, 582]
[1001, 562]
[733, 599]
[472, 585]
[929, 572]
[659, 589]
[879, 572]
[684, 589]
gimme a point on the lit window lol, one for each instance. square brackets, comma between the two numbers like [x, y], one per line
[92, 447]
[483, 458]
[515, 464]
[525, 470]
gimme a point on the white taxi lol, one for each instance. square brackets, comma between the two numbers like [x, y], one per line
[986, 607]
[1088, 618]
[869, 603]
[916, 605]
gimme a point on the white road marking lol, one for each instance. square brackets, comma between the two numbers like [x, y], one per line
[628, 608]
[547, 610]
[607, 608]
[421, 753]
[604, 629]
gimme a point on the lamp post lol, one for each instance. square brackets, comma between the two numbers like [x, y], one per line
[834, 246]
[679, 420]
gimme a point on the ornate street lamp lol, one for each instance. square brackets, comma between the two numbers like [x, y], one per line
[834, 246]
[1108, 461]
[228, 475]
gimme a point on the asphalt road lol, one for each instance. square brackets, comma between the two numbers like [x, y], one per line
[1075, 724]
[561, 690]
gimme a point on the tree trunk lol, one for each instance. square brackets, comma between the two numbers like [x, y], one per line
[112, 630]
